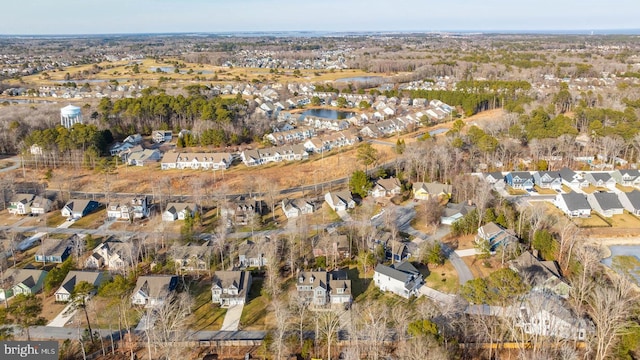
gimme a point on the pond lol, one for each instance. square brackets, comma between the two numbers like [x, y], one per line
[355, 79]
[625, 259]
[326, 114]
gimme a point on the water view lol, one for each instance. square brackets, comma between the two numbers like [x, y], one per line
[327, 114]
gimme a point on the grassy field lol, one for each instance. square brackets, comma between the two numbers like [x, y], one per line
[205, 315]
[255, 311]
[513, 191]
[443, 278]
[542, 191]
[91, 221]
[592, 221]
[625, 188]
[55, 218]
[625, 220]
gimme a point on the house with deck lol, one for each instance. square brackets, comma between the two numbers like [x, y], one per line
[324, 288]
[606, 204]
[573, 204]
[402, 279]
[230, 288]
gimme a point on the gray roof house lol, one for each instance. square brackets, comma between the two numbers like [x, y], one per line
[401, 279]
[252, 253]
[493, 177]
[496, 235]
[77, 208]
[296, 207]
[519, 180]
[540, 275]
[386, 187]
[323, 288]
[600, 179]
[453, 212]
[629, 177]
[547, 179]
[75, 277]
[178, 211]
[40, 205]
[153, 290]
[21, 281]
[572, 179]
[573, 204]
[340, 200]
[605, 203]
[630, 201]
[20, 204]
[230, 287]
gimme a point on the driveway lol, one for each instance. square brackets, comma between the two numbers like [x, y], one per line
[437, 296]
[232, 318]
[466, 252]
[65, 315]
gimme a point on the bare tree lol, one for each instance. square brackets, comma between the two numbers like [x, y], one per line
[282, 316]
[327, 326]
[168, 324]
[610, 307]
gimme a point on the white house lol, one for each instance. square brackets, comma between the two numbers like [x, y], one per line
[137, 208]
[386, 187]
[73, 278]
[297, 207]
[630, 201]
[601, 179]
[340, 200]
[401, 279]
[21, 204]
[40, 205]
[178, 211]
[573, 204]
[153, 290]
[230, 287]
[114, 255]
[606, 204]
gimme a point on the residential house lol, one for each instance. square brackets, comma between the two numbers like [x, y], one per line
[40, 205]
[21, 281]
[274, 154]
[54, 250]
[160, 136]
[144, 157]
[519, 180]
[153, 290]
[115, 255]
[573, 204]
[73, 278]
[544, 314]
[386, 187]
[230, 288]
[606, 204]
[630, 201]
[136, 208]
[629, 177]
[242, 210]
[423, 191]
[601, 179]
[322, 288]
[496, 235]
[296, 207]
[77, 208]
[548, 179]
[178, 211]
[493, 177]
[540, 275]
[402, 279]
[454, 212]
[333, 247]
[192, 257]
[252, 253]
[340, 200]
[572, 179]
[20, 204]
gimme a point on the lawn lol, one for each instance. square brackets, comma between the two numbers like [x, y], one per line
[513, 191]
[479, 267]
[625, 220]
[592, 221]
[55, 219]
[443, 278]
[359, 285]
[625, 188]
[255, 311]
[205, 315]
[542, 191]
[91, 221]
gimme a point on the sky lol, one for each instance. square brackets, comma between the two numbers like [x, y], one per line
[47, 17]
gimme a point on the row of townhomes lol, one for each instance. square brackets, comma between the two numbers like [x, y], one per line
[204, 161]
[578, 194]
[274, 154]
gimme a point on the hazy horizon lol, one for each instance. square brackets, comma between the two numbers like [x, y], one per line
[78, 17]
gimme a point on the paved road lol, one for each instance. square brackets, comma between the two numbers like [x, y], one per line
[16, 164]
[232, 318]
[404, 215]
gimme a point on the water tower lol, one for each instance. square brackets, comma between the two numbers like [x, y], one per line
[70, 115]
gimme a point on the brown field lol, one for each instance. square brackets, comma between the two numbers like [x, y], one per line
[625, 220]
[443, 278]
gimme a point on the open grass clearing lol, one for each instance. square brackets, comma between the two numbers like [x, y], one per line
[91, 221]
[205, 315]
[255, 311]
[625, 220]
[443, 278]
[513, 191]
[543, 191]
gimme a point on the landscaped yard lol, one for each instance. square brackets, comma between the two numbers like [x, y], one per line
[625, 188]
[443, 278]
[255, 311]
[91, 221]
[513, 191]
[205, 315]
[593, 221]
[542, 191]
[479, 267]
[55, 218]
[625, 220]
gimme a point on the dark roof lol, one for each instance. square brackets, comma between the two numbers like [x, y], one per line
[601, 176]
[634, 198]
[402, 272]
[567, 174]
[521, 174]
[575, 201]
[607, 200]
